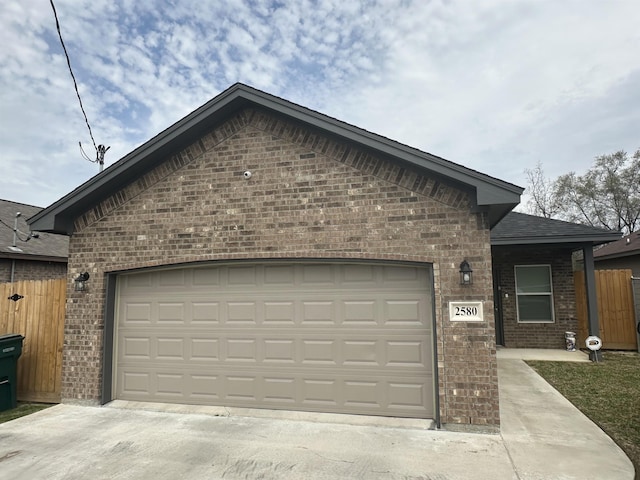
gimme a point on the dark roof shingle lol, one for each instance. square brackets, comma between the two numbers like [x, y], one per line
[47, 246]
[523, 229]
[629, 245]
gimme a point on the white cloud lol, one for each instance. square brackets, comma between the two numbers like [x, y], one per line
[493, 85]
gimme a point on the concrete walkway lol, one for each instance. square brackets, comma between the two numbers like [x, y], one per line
[543, 437]
[544, 434]
[546, 354]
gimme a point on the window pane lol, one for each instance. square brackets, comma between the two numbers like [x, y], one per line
[533, 279]
[534, 308]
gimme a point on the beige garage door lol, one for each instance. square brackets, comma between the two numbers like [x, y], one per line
[347, 338]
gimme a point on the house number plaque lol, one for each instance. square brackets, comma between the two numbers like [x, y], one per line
[466, 312]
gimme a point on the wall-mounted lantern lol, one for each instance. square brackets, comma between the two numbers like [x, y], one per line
[80, 282]
[466, 274]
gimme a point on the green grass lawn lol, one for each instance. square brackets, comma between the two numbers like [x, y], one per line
[21, 410]
[608, 393]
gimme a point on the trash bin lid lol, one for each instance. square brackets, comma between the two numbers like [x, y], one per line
[11, 337]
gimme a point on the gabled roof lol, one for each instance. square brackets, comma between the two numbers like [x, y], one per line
[490, 194]
[522, 229]
[47, 247]
[625, 247]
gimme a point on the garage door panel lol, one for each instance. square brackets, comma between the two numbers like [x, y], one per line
[356, 311]
[172, 278]
[280, 275]
[241, 312]
[408, 395]
[320, 391]
[241, 387]
[314, 275]
[359, 274]
[241, 350]
[362, 352]
[205, 388]
[205, 349]
[206, 277]
[325, 337]
[321, 351]
[171, 312]
[170, 385]
[279, 351]
[318, 312]
[244, 276]
[136, 383]
[403, 312]
[136, 348]
[359, 312]
[170, 348]
[136, 313]
[280, 390]
[206, 313]
[408, 353]
[140, 280]
[279, 313]
[349, 393]
[398, 275]
[362, 393]
[289, 350]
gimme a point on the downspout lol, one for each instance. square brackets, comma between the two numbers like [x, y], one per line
[434, 337]
[15, 237]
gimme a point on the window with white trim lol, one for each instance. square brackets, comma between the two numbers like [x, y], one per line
[534, 294]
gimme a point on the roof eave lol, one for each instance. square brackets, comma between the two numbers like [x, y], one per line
[556, 239]
[497, 196]
[611, 256]
[33, 258]
[497, 212]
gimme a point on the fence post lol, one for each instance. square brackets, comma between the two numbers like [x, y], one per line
[635, 286]
[592, 300]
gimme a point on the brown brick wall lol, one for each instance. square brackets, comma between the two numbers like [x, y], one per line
[537, 335]
[31, 270]
[309, 197]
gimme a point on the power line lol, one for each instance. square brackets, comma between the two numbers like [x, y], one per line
[100, 149]
[7, 225]
[17, 231]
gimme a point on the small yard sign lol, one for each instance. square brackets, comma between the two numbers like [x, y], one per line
[593, 343]
[466, 312]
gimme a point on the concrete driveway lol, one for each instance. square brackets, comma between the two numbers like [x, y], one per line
[552, 440]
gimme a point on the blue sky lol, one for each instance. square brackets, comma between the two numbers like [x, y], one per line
[495, 85]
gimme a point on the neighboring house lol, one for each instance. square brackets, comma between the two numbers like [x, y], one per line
[534, 293]
[260, 254]
[26, 257]
[622, 254]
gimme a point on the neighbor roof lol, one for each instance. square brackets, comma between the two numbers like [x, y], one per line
[522, 229]
[625, 247]
[47, 247]
[492, 195]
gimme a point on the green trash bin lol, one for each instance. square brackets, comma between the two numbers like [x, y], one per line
[10, 350]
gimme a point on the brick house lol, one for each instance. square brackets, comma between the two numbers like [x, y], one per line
[26, 257]
[260, 254]
[534, 292]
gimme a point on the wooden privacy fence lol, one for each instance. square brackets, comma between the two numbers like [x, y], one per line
[39, 317]
[615, 309]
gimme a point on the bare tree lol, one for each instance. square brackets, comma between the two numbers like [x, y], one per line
[607, 195]
[543, 200]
